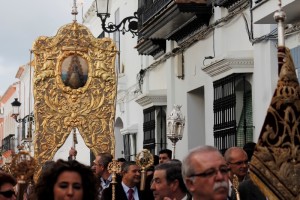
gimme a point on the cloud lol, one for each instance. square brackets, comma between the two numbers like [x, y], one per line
[22, 22]
[7, 76]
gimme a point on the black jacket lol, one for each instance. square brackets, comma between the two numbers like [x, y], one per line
[121, 195]
[249, 191]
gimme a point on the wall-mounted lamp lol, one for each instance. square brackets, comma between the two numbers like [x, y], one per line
[175, 126]
[28, 118]
[179, 66]
[16, 106]
[128, 24]
[16, 111]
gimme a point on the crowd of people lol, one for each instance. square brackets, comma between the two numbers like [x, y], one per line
[203, 174]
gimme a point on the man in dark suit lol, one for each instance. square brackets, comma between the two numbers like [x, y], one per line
[101, 168]
[249, 191]
[237, 161]
[128, 187]
[168, 182]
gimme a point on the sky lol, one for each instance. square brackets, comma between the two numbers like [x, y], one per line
[22, 22]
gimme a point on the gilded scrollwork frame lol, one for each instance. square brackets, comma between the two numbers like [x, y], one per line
[59, 108]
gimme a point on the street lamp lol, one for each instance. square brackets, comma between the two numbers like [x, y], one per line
[28, 118]
[16, 106]
[128, 24]
[16, 111]
[175, 126]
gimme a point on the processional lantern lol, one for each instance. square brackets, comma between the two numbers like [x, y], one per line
[22, 167]
[175, 126]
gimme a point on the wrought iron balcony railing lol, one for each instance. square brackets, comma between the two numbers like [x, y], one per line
[8, 143]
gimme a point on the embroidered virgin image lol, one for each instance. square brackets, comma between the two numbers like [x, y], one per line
[74, 71]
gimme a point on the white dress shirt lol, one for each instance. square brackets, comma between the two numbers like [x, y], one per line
[135, 194]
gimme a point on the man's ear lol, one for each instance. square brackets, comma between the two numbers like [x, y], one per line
[174, 185]
[123, 173]
[189, 183]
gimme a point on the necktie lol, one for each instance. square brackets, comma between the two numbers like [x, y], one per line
[130, 194]
[232, 195]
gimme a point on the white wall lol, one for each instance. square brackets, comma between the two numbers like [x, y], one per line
[195, 91]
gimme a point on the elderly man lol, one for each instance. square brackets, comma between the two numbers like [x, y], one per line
[205, 174]
[7, 183]
[100, 168]
[167, 182]
[237, 161]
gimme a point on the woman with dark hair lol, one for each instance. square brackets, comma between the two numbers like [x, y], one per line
[66, 180]
[7, 183]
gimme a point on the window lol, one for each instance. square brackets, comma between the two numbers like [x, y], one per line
[154, 129]
[245, 123]
[149, 129]
[233, 125]
[127, 145]
[8, 143]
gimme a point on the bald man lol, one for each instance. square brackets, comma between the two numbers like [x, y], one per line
[237, 162]
[205, 174]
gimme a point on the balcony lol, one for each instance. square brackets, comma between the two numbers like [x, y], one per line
[263, 11]
[8, 143]
[223, 3]
[175, 20]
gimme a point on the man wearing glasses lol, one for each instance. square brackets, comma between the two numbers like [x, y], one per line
[237, 161]
[7, 183]
[100, 165]
[205, 174]
[167, 182]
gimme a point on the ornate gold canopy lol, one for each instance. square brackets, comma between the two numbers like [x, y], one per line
[275, 165]
[74, 87]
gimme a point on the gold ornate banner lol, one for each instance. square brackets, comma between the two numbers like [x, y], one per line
[74, 87]
[275, 165]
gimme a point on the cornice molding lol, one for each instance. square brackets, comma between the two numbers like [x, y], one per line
[133, 129]
[149, 100]
[231, 65]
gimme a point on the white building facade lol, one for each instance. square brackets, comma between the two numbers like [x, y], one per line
[218, 59]
[222, 72]
[9, 129]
